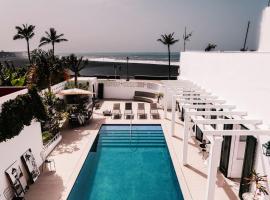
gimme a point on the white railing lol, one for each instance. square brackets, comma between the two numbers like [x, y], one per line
[56, 88]
[47, 149]
[131, 84]
[122, 89]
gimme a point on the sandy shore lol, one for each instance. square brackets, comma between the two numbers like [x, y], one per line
[106, 69]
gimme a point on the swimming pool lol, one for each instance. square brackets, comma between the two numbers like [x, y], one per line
[124, 165]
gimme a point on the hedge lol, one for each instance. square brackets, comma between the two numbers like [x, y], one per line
[19, 112]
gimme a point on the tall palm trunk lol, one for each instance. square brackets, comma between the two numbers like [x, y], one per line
[49, 84]
[28, 51]
[53, 48]
[76, 79]
[185, 35]
[169, 55]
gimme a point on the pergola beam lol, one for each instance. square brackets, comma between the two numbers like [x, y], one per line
[209, 106]
[227, 121]
[196, 97]
[208, 101]
[235, 132]
[216, 113]
[193, 92]
[186, 88]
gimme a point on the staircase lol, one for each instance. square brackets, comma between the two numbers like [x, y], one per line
[137, 138]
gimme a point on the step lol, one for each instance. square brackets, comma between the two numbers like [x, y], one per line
[132, 141]
[127, 131]
[133, 138]
[132, 145]
[133, 134]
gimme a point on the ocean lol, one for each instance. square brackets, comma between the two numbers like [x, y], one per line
[134, 57]
[153, 65]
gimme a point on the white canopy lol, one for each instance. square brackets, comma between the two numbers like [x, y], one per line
[75, 91]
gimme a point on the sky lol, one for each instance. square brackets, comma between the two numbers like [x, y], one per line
[132, 25]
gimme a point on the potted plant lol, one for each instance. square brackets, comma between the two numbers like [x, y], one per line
[266, 148]
[260, 189]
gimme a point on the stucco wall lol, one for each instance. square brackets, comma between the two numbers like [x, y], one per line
[243, 79]
[264, 36]
[120, 89]
[11, 150]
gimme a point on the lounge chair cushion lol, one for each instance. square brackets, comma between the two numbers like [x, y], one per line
[145, 96]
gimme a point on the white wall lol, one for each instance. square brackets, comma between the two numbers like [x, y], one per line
[242, 79]
[264, 36]
[120, 89]
[11, 150]
[13, 95]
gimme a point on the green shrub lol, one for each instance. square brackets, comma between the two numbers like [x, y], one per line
[83, 86]
[47, 136]
[19, 112]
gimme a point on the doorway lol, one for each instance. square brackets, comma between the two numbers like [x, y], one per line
[225, 151]
[250, 151]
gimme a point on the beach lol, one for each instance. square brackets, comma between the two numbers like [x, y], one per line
[103, 66]
[135, 70]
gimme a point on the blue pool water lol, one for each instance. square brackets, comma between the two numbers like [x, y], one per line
[128, 167]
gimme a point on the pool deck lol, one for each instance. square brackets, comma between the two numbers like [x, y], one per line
[71, 152]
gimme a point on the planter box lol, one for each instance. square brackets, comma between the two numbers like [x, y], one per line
[47, 149]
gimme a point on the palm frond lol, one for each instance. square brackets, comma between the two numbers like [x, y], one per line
[52, 37]
[17, 36]
[60, 40]
[31, 35]
[58, 36]
[168, 39]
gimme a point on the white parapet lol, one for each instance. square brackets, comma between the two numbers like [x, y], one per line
[121, 89]
[264, 35]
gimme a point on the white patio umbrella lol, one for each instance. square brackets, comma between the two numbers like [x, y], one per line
[75, 91]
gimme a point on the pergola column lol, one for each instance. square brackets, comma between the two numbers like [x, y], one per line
[185, 141]
[165, 102]
[214, 159]
[173, 115]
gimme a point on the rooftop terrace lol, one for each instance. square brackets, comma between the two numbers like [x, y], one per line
[69, 156]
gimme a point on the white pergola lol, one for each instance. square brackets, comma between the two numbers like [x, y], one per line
[182, 88]
[200, 99]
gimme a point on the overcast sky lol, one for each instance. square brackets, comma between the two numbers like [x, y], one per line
[131, 25]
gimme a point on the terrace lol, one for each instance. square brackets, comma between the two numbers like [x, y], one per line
[71, 152]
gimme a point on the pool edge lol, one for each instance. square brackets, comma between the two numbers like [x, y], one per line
[176, 163]
[77, 169]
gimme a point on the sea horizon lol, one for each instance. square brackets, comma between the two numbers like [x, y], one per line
[134, 57]
[159, 58]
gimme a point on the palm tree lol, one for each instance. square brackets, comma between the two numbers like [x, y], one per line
[168, 40]
[186, 37]
[75, 65]
[210, 47]
[45, 67]
[52, 37]
[25, 32]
